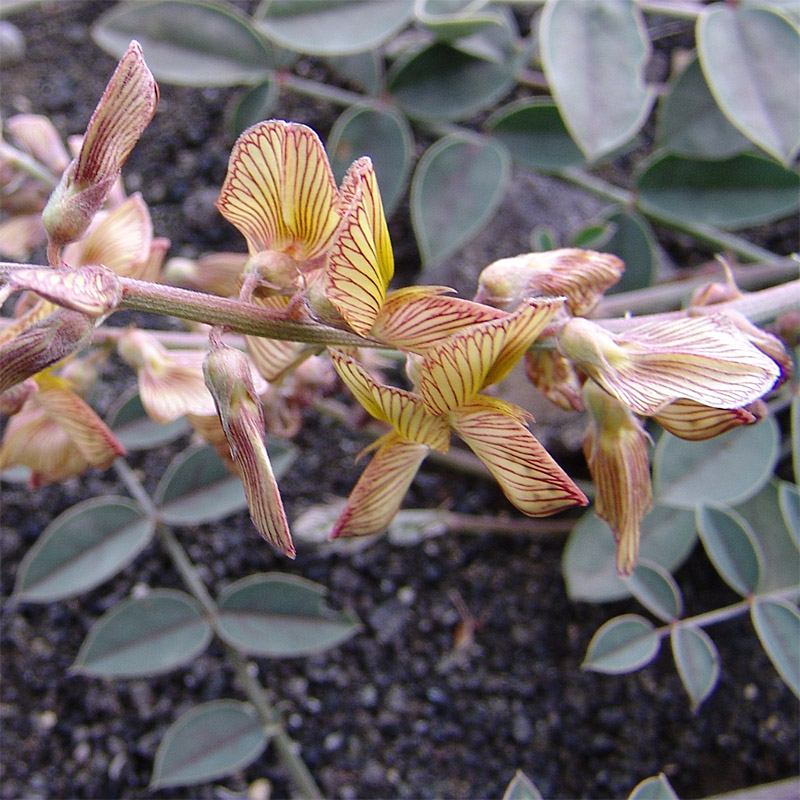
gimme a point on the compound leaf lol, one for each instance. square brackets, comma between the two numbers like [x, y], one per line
[656, 590]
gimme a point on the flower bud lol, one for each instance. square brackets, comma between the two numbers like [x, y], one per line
[124, 111]
[92, 290]
[615, 446]
[582, 276]
[228, 377]
[42, 345]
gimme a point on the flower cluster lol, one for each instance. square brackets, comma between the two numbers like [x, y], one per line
[321, 256]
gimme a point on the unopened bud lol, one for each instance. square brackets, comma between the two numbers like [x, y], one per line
[12, 400]
[124, 111]
[582, 276]
[42, 345]
[92, 290]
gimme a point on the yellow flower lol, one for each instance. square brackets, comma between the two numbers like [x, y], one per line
[449, 378]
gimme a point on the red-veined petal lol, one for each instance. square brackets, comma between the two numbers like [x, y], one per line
[85, 429]
[453, 372]
[417, 317]
[526, 472]
[361, 262]
[403, 410]
[279, 190]
[695, 422]
[380, 489]
[272, 357]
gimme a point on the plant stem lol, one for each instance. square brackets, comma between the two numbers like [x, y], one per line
[704, 233]
[287, 750]
[728, 612]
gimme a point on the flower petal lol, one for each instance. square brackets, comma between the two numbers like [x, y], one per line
[361, 261]
[279, 190]
[403, 410]
[85, 429]
[416, 317]
[380, 489]
[526, 472]
[454, 371]
[120, 241]
[228, 376]
[272, 357]
[695, 422]
[37, 136]
[616, 450]
[705, 359]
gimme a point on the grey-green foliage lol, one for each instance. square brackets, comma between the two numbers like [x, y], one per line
[158, 630]
[567, 96]
[723, 492]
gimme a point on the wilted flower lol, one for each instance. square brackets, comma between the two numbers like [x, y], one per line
[616, 450]
[228, 376]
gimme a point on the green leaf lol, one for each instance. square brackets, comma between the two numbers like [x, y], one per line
[209, 741]
[777, 624]
[83, 547]
[456, 188]
[594, 237]
[727, 469]
[385, 137]
[623, 644]
[543, 238]
[655, 788]
[197, 488]
[365, 70]
[145, 636]
[789, 500]
[334, 27]
[589, 562]
[750, 58]
[442, 82]
[275, 614]
[535, 135]
[135, 430]
[521, 788]
[697, 660]
[188, 43]
[690, 122]
[256, 104]
[733, 193]
[449, 20]
[656, 590]
[731, 547]
[594, 54]
[634, 242]
[774, 541]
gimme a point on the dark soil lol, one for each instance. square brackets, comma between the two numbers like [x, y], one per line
[389, 713]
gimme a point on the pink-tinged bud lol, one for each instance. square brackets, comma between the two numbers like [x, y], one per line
[229, 378]
[582, 276]
[616, 450]
[42, 345]
[12, 400]
[555, 377]
[92, 290]
[124, 111]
